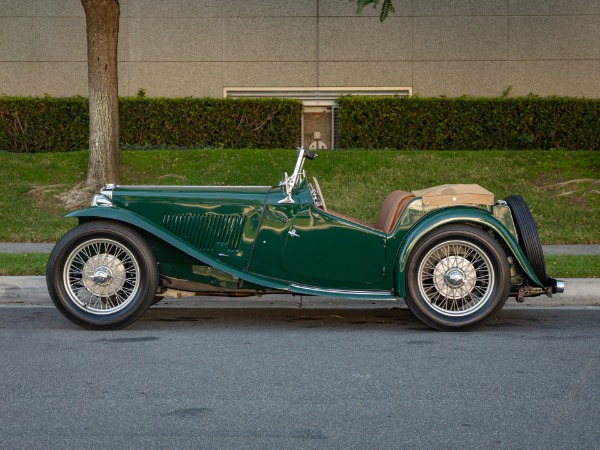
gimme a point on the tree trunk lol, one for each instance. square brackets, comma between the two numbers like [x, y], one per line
[102, 20]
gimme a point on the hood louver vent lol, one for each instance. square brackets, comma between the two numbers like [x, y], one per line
[207, 231]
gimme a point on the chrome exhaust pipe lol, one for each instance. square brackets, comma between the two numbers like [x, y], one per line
[559, 287]
[556, 286]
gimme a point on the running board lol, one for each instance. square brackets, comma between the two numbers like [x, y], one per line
[342, 293]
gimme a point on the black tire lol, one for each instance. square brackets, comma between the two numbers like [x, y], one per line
[529, 239]
[102, 275]
[457, 277]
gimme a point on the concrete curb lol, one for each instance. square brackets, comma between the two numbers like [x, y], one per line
[29, 291]
[20, 247]
[24, 290]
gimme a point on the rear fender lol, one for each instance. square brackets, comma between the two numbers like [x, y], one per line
[468, 216]
[135, 220]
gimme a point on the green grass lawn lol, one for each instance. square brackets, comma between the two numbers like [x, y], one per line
[561, 187]
[18, 264]
[559, 266]
[573, 266]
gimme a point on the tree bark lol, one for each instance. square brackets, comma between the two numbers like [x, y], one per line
[102, 20]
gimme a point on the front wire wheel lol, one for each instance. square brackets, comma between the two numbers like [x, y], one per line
[102, 275]
[458, 276]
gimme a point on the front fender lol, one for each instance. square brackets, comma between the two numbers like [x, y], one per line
[443, 217]
[130, 218]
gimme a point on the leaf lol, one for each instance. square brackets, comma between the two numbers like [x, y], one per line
[386, 9]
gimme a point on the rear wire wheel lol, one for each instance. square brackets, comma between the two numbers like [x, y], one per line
[458, 276]
[529, 239]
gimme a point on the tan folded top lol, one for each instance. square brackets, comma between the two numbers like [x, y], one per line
[455, 194]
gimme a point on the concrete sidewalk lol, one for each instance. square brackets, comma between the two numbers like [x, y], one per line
[28, 291]
[21, 247]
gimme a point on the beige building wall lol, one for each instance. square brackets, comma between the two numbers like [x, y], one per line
[199, 48]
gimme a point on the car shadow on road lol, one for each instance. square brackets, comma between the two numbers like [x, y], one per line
[297, 318]
[381, 319]
[388, 319]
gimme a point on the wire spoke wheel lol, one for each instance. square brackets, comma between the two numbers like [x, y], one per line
[102, 276]
[455, 278]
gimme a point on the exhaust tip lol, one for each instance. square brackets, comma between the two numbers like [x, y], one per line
[558, 287]
[555, 286]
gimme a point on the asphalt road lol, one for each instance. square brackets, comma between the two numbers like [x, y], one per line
[294, 378]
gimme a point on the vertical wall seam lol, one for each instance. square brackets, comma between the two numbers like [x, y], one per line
[412, 52]
[507, 72]
[318, 49]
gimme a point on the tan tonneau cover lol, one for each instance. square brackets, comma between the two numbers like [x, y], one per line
[455, 194]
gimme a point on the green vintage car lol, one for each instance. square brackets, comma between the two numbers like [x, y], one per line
[451, 252]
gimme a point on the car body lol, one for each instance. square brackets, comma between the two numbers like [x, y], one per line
[452, 252]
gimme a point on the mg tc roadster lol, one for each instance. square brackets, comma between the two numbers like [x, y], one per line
[451, 252]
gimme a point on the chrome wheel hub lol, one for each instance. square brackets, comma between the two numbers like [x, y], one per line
[101, 276]
[456, 278]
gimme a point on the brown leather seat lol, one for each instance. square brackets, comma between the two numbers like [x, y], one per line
[391, 209]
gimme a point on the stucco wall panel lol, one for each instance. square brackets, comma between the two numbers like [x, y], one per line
[175, 39]
[43, 78]
[554, 37]
[59, 39]
[365, 39]
[15, 8]
[190, 47]
[270, 8]
[12, 71]
[181, 79]
[270, 39]
[16, 36]
[123, 73]
[568, 78]
[269, 74]
[461, 38]
[454, 78]
[554, 7]
[343, 8]
[379, 74]
[56, 8]
[171, 8]
[123, 44]
[59, 78]
[460, 7]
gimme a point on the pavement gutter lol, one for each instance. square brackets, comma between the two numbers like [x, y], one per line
[32, 291]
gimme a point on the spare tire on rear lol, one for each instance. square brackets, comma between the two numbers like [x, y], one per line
[529, 239]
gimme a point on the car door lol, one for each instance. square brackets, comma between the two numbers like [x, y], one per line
[322, 248]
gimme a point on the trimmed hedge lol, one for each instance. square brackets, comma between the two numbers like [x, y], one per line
[470, 123]
[32, 124]
[195, 122]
